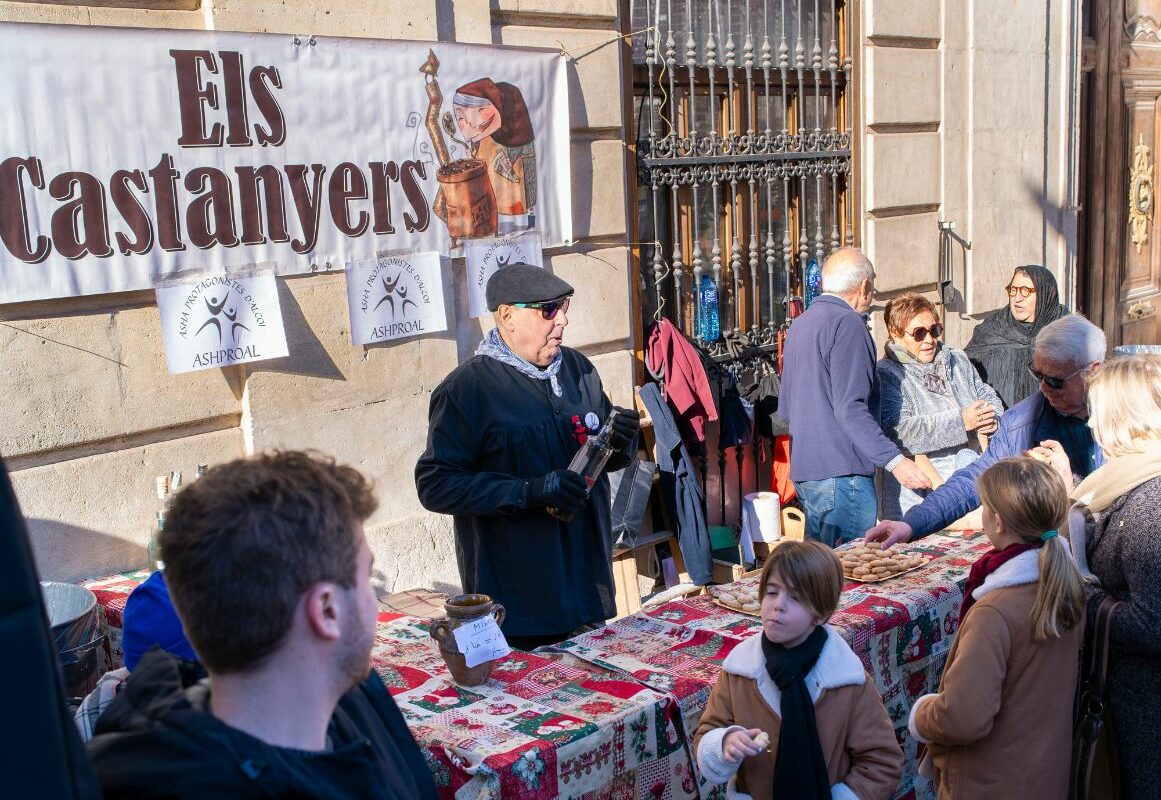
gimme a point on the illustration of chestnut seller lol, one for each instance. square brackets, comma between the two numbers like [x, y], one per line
[494, 121]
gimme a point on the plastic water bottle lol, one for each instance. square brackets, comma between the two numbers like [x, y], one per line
[813, 281]
[707, 301]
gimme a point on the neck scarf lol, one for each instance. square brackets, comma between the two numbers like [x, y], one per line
[934, 376]
[988, 563]
[1118, 477]
[800, 768]
[494, 347]
[1003, 346]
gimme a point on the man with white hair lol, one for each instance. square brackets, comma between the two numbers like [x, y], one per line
[1050, 425]
[829, 389]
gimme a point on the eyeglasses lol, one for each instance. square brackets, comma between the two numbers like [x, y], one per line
[1023, 291]
[919, 334]
[547, 310]
[1053, 382]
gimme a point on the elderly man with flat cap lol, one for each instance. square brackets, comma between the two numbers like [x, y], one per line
[502, 429]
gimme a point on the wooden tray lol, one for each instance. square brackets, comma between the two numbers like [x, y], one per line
[926, 560]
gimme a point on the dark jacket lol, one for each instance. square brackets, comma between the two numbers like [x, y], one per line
[830, 395]
[490, 430]
[157, 740]
[1025, 425]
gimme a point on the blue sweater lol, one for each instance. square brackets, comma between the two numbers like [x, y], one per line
[830, 395]
[1022, 427]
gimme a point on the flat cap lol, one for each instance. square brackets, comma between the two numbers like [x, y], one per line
[524, 283]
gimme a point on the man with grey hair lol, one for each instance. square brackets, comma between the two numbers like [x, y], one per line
[829, 390]
[1050, 425]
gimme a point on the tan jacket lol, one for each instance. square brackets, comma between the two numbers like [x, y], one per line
[863, 758]
[1001, 725]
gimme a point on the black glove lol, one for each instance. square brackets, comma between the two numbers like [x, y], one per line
[626, 423]
[562, 490]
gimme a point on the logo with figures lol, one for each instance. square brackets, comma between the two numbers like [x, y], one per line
[392, 297]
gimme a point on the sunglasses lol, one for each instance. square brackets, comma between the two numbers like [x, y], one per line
[1053, 382]
[547, 310]
[919, 334]
[1023, 291]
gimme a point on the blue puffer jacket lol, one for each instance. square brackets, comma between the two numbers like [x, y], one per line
[1023, 426]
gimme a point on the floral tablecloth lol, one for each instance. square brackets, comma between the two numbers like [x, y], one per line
[112, 592]
[901, 629]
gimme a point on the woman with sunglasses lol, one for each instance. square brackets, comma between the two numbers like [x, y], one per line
[932, 401]
[1002, 344]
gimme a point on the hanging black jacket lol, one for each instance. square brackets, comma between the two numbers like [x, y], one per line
[157, 740]
[490, 428]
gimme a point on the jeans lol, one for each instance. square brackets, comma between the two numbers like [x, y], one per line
[838, 509]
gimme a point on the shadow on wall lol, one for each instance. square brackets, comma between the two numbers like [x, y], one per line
[307, 355]
[65, 552]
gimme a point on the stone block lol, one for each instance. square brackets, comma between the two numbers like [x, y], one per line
[415, 552]
[594, 79]
[1001, 26]
[916, 19]
[901, 85]
[904, 250]
[382, 439]
[91, 377]
[599, 312]
[93, 516]
[569, 8]
[374, 19]
[325, 371]
[903, 169]
[616, 371]
[598, 188]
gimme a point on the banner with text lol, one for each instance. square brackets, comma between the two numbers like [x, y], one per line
[484, 256]
[395, 297]
[125, 154]
[218, 320]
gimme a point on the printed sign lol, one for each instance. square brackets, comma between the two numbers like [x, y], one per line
[481, 640]
[395, 297]
[218, 320]
[483, 257]
[225, 149]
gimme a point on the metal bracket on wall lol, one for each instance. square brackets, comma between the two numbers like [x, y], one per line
[946, 235]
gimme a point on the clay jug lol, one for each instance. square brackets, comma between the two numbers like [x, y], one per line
[462, 609]
[469, 198]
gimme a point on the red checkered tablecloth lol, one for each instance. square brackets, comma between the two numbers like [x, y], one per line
[112, 592]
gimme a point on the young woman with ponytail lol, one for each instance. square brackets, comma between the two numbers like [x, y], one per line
[1001, 724]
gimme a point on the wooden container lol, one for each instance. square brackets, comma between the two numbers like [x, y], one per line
[469, 198]
[462, 609]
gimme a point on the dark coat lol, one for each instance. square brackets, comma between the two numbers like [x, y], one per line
[157, 740]
[490, 430]
[1124, 552]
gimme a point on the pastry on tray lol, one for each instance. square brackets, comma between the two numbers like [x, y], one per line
[739, 598]
[870, 562]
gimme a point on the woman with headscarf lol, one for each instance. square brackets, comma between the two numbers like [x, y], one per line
[494, 119]
[1001, 347]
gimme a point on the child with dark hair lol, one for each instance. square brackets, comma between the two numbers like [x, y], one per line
[793, 715]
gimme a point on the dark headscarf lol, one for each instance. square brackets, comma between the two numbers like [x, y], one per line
[1001, 347]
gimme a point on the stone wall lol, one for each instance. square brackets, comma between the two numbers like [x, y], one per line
[965, 105]
[89, 415]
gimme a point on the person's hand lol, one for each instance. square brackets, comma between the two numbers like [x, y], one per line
[739, 744]
[890, 532]
[626, 423]
[979, 415]
[911, 476]
[563, 490]
[1052, 453]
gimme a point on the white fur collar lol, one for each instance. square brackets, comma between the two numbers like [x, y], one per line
[1024, 568]
[837, 666]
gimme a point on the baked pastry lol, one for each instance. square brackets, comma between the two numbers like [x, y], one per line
[870, 561]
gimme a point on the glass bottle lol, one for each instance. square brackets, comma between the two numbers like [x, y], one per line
[707, 301]
[589, 462]
[153, 551]
[813, 281]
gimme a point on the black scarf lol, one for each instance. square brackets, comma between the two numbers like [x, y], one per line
[1001, 347]
[799, 769]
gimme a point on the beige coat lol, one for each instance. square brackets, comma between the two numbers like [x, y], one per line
[863, 759]
[1001, 725]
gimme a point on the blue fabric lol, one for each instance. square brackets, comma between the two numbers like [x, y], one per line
[830, 395]
[1023, 426]
[680, 489]
[150, 619]
[838, 509]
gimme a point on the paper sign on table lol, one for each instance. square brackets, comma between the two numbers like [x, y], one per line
[481, 640]
[394, 297]
[484, 256]
[220, 319]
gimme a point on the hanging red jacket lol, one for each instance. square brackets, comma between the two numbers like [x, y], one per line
[686, 386]
[780, 482]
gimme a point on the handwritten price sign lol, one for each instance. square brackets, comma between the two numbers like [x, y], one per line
[481, 640]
